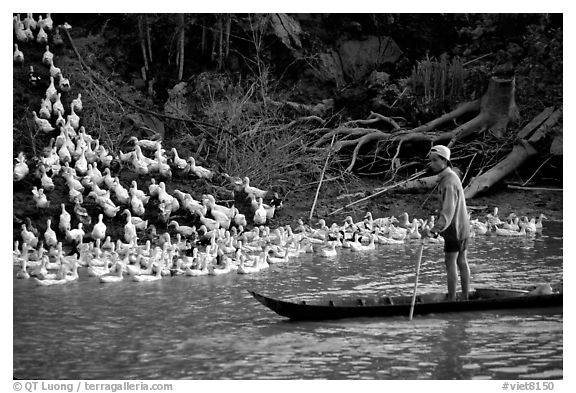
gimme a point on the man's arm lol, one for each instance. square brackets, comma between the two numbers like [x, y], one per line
[449, 200]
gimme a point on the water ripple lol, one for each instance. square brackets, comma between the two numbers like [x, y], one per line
[211, 328]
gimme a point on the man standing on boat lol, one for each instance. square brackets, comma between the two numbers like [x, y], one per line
[453, 222]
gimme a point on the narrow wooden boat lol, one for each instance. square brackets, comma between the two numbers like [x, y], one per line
[388, 306]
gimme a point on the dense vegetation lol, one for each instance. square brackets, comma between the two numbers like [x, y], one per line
[240, 71]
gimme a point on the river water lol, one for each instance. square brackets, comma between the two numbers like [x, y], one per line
[210, 327]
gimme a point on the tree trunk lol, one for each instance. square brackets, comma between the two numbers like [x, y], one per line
[519, 154]
[497, 108]
[499, 105]
[141, 36]
[181, 47]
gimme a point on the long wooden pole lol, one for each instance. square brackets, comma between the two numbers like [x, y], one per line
[321, 177]
[416, 280]
[414, 176]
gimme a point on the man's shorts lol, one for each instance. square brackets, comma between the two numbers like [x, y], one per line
[455, 245]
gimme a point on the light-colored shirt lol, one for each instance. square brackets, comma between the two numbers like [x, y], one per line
[453, 222]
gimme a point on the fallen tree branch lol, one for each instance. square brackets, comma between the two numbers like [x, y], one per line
[535, 122]
[520, 153]
[304, 119]
[347, 132]
[374, 118]
[471, 106]
[362, 141]
[542, 131]
[534, 188]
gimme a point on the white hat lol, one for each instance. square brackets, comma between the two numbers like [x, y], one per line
[441, 151]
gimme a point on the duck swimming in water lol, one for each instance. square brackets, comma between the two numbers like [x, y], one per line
[116, 275]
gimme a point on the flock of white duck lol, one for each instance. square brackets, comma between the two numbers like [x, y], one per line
[145, 255]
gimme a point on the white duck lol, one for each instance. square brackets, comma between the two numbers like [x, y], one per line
[224, 220]
[23, 272]
[199, 171]
[77, 103]
[182, 229]
[243, 268]
[180, 163]
[73, 118]
[209, 223]
[210, 202]
[529, 225]
[20, 32]
[275, 259]
[329, 250]
[28, 237]
[145, 143]
[99, 229]
[413, 232]
[98, 266]
[29, 34]
[81, 164]
[76, 234]
[21, 168]
[121, 193]
[18, 55]
[137, 206]
[115, 276]
[362, 247]
[40, 198]
[72, 182]
[42, 37]
[42, 125]
[109, 181]
[493, 219]
[51, 92]
[135, 192]
[60, 122]
[237, 218]
[508, 232]
[47, 56]
[94, 173]
[260, 215]
[157, 270]
[164, 196]
[55, 72]
[65, 219]
[58, 107]
[29, 21]
[248, 189]
[103, 156]
[479, 227]
[45, 111]
[48, 23]
[130, 234]
[539, 221]
[45, 180]
[512, 223]
[50, 238]
[68, 277]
